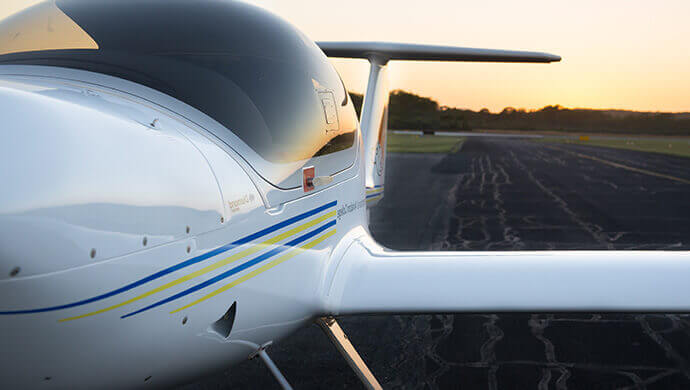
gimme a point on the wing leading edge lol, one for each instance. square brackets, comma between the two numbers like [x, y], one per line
[370, 280]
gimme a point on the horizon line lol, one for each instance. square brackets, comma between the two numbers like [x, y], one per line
[535, 109]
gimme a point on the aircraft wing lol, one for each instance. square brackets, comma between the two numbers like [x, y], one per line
[369, 279]
[374, 280]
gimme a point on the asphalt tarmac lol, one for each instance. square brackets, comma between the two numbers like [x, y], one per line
[510, 194]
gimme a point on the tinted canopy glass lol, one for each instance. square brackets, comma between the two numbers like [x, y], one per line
[244, 67]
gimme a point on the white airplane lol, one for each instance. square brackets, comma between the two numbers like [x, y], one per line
[186, 182]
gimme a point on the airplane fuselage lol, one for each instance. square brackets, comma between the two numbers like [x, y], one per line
[130, 230]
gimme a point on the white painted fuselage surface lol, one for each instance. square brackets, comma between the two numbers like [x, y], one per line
[127, 230]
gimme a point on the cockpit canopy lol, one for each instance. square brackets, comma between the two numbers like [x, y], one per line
[249, 70]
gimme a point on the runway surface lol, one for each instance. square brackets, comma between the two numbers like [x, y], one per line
[511, 194]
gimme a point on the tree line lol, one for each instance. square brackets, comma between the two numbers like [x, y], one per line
[408, 111]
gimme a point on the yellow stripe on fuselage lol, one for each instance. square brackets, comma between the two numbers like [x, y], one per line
[375, 190]
[373, 198]
[258, 271]
[247, 252]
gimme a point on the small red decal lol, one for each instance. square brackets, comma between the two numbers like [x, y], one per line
[308, 179]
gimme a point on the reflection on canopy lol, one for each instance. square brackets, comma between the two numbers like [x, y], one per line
[42, 27]
[247, 69]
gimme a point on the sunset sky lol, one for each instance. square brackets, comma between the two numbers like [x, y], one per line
[616, 54]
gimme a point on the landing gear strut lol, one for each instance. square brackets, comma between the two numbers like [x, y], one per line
[342, 343]
[261, 352]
